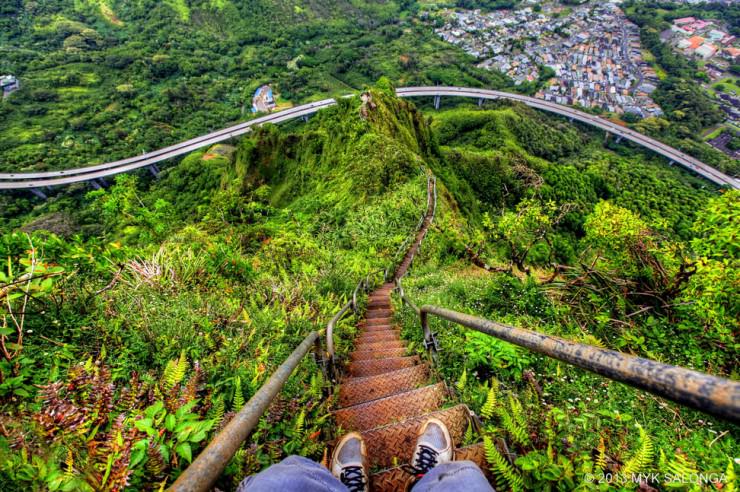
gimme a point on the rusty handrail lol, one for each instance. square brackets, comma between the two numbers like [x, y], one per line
[210, 463]
[710, 394]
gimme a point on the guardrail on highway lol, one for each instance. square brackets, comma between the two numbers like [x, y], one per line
[36, 180]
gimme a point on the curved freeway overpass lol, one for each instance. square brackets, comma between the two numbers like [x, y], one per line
[17, 181]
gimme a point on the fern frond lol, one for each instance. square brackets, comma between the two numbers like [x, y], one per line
[317, 385]
[468, 438]
[679, 465]
[463, 380]
[69, 464]
[731, 477]
[514, 422]
[491, 400]
[216, 413]
[299, 422]
[174, 372]
[238, 401]
[642, 457]
[517, 411]
[505, 473]
[601, 459]
[590, 339]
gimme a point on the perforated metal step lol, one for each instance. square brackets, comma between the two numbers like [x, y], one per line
[380, 353]
[396, 479]
[378, 366]
[390, 409]
[393, 444]
[353, 391]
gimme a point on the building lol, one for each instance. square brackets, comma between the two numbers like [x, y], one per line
[9, 84]
[263, 100]
[684, 20]
[705, 51]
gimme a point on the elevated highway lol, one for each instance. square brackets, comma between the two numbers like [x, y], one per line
[37, 180]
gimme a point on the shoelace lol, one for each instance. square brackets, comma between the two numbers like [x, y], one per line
[353, 477]
[425, 460]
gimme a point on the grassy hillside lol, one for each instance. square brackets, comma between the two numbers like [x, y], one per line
[102, 79]
[157, 304]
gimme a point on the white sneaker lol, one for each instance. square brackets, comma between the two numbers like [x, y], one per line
[433, 447]
[349, 463]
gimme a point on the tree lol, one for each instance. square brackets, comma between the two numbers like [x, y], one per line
[522, 229]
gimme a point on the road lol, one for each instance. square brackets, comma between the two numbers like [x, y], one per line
[17, 181]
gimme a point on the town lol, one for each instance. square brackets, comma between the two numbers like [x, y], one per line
[592, 52]
[716, 51]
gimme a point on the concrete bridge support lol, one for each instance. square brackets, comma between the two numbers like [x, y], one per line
[95, 184]
[480, 102]
[437, 100]
[154, 170]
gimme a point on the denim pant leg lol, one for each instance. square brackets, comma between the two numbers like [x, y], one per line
[453, 476]
[293, 474]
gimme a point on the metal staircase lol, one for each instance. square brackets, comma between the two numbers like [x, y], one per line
[387, 395]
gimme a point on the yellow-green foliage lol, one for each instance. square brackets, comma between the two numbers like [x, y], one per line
[514, 421]
[463, 380]
[181, 7]
[491, 400]
[601, 459]
[642, 457]
[174, 372]
[506, 474]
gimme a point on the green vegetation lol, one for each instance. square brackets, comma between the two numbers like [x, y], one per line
[104, 79]
[596, 248]
[137, 318]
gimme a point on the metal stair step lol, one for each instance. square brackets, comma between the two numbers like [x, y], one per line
[379, 366]
[378, 335]
[395, 479]
[380, 344]
[394, 443]
[390, 409]
[373, 313]
[386, 320]
[358, 390]
[376, 327]
[379, 303]
[383, 353]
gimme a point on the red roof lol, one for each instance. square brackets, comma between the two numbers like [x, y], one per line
[684, 20]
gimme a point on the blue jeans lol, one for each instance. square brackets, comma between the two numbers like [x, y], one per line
[299, 474]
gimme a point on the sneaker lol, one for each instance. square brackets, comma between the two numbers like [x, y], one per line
[433, 447]
[349, 463]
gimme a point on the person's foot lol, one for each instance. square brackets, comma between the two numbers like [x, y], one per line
[433, 447]
[349, 463]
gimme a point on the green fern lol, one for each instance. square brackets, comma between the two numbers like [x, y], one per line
[238, 401]
[468, 438]
[506, 474]
[731, 477]
[590, 339]
[601, 459]
[514, 422]
[299, 422]
[642, 457]
[316, 385]
[216, 413]
[463, 380]
[678, 466]
[517, 411]
[174, 372]
[491, 400]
